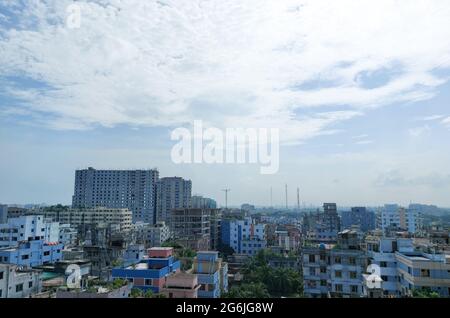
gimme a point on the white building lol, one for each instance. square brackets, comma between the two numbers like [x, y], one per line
[172, 193]
[106, 216]
[68, 235]
[28, 228]
[152, 235]
[16, 282]
[244, 236]
[394, 216]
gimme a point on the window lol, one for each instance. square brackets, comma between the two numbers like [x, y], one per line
[338, 287]
[354, 288]
[25, 256]
[148, 282]
[312, 258]
[323, 282]
[338, 274]
[352, 260]
[1, 275]
[337, 260]
[30, 284]
[46, 253]
[383, 264]
[425, 273]
[352, 275]
[323, 270]
[19, 288]
[384, 278]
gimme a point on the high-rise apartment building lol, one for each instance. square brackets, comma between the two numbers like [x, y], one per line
[131, 189]
[172, 193]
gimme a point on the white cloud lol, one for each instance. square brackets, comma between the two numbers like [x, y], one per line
[446, 122]
[228, 62]
[419, 131]
[432, 117]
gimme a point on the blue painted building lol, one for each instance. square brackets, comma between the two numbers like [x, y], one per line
[244, 236]
[418, 270]
[33, 253]
[212, 274]
[150, 273]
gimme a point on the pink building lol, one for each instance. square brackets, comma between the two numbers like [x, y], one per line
[160, 252]
[181, 285]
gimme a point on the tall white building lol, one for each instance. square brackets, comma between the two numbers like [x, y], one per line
[131, 189]
[244, 236]
[172, 193]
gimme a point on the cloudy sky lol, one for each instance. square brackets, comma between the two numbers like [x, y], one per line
[359, 89]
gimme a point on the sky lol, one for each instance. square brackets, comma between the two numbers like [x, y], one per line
[360, 91]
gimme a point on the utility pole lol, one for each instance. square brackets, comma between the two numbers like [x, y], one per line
[226, 197]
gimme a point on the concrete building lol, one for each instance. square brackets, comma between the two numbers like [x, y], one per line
[212, 274]
[358, 217]
[334, 270]
[199, 202]
[215, 224]
[181, 285]
[123, 189]
[172, 193]
[244, 236]
[33, 253]
[322, 227]
[394, 216]
[418, 271]
[68, 235]
[150, 273]
[288, 238]
[381, 252]
[93, 216]
[17, 282]
[158, 234]
[28, 228]
[191, 227]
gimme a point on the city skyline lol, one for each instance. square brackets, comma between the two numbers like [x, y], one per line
[359, 90]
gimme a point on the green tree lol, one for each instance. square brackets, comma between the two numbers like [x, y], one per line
[251, 290]
[136, 293]
[425, 293]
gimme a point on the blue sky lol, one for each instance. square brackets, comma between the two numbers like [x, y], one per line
[359, 90]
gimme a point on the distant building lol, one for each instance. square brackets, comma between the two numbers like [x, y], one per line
[288, 238]
[248, 207]
[199, 202]
[150, 273]
[212, 274]
[172, 193]
[358, 217]
[394, 216]
[322, 227]
[123, 189]
[191, 227]
[158, 233]
[215, 228]
[334, 271]
[17, 282]
[121, 218]
[244, 236]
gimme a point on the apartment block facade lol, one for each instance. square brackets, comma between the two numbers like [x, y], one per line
[124, 189]
[244, 236]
